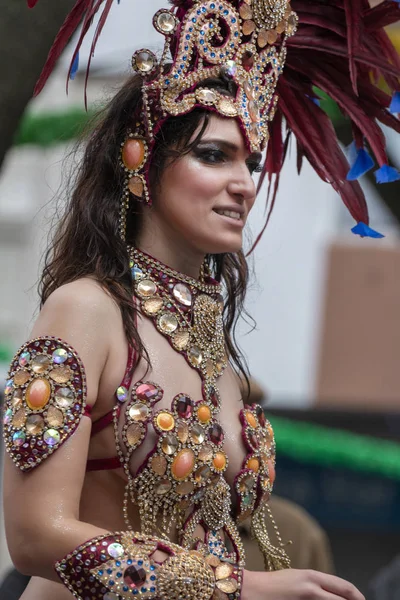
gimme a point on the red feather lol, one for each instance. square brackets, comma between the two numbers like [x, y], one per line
[353, 11]
[32, 3]
[64, 35]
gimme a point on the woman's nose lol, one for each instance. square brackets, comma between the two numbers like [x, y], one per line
[241, 183]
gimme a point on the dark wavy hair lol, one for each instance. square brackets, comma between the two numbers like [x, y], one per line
[86, 241]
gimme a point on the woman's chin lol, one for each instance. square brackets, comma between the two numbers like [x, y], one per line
[224, 245]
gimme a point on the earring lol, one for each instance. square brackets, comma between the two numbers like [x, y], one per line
[134, 155]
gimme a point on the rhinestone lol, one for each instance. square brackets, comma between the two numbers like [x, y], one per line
[40, 363]
[216, 434]
[248, 88]
[184, 488]
[110, 596]
[54, 417]
[64, 397]
[253, 464]
[280, 28]
[19, 438]
[213, 560]
[248, 27]
[291, 24]
[195, 356]
[272, 36]
[248, 60]
[17, 399]
[24, 359]
[21, 377]
[253, 129]
[206, 96]
[115, 550]
[184, 407]
[245, 12]
[138, 411]
[182, 432]
[180, 339]
[146, 288]
[165, 421]
[122, 393]
[133, 154]
[19, 419]
[169, 444]
[34, 424]
[197, 434]
[134, 577]
[262, 40]
[163, 487]
[251, 420]
[199, 495]
[229, 69]
[204, 413]
[143, 61]
[168, 323]
[182, 293]
[210, 367]
[60, 356]
[227, 107]
[224, 571]
[61, 374]
[260, 415]
[183, 464]
[228, 586]
[135, 186]
[165, 22]
[220, 365]
[253, 111]
[220, 461]
[7, 417]
[134, 434]
[153, 305]
[38, 393]
[9, 387]
[159, 464]
[247, 499]
[146, 392]
[137, 273]
[246, 484]
[213, 394]
[206, 453]
[202, 474]
[253, 439]
[51, 437]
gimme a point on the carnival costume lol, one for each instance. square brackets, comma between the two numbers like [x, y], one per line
[276, 53]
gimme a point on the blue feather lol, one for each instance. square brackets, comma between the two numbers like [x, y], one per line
[361, 165]
[75, 67]
[395, 104]
[387, 174]
[363, 230]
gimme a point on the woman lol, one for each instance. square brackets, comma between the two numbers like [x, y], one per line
[134, 454]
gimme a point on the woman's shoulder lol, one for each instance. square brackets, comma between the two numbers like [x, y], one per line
[82, 310]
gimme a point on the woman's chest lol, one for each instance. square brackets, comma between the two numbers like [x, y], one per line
[181, 434]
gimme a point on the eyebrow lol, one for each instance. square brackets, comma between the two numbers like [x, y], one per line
[229, 146]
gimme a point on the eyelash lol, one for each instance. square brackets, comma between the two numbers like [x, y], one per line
[218, 156]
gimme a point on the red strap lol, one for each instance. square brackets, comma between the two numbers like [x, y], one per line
[87, 411]
[103, 464]
[102, 423]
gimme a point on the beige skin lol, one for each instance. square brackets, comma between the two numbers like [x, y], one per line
[55, 508]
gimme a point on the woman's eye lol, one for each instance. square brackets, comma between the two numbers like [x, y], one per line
[211, 156]
[255, 167]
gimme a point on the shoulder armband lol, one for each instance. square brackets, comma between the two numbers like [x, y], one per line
[45, 398]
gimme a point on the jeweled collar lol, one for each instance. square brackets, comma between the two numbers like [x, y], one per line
[186, 310]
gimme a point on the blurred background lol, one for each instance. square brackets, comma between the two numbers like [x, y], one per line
[326, 346]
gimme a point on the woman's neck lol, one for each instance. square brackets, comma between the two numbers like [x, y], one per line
[172, 252]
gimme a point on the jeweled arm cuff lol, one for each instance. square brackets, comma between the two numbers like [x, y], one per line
[122, 566]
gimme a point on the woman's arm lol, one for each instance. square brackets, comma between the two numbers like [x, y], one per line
[42, 505]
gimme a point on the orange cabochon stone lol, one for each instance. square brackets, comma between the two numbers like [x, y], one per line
[252, 421]
[133, 153]
[38, 393]
[165, 421]
[219, 461]
[253, 464]
[183, 464]
[204, 413]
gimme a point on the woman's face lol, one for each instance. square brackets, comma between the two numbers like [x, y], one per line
[206, 195]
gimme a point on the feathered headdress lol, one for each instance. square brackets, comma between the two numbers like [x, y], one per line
[279, 54]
